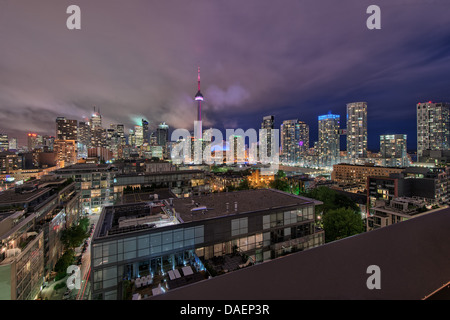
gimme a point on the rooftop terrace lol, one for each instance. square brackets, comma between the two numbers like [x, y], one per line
[133, 217]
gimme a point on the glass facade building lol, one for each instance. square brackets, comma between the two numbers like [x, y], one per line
[191, 237]
[329, 139]
[356, 130]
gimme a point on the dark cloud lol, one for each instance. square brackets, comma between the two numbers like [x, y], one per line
[294, 59]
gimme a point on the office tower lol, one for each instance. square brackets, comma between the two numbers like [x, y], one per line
[153, 139]
[13, 144]
[162, 134]
[33, 141]
[98, 137]
[114, 141]
[294, 140]
[4, 143]
[433, 127]
[84, 133]
[356, 130]
[119, 131]
[132, 138]
[110, 133]
[96, 119]
[237, 148]
[266, 136]
[139, 135]
[66, 129]
[98, 133]
[328, 146]
[48, 141]
[145, 132]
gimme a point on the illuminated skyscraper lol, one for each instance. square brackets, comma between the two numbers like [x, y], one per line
[13, 144]
[433, 126]
[356, 130]
[162, 134]
[139, 135]
[329, 139]
[65, 152]
[4, 143]
[98, 133]
[84, 133]
[66, 129]
[119, 131]
[266, 136]
[96, 119]
[294, 140]
[393, 150]
[33, 141]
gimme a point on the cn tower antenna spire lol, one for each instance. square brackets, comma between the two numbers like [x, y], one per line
[198, 78]
[199, 98]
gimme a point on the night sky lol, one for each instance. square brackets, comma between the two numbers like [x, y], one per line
[292, 59]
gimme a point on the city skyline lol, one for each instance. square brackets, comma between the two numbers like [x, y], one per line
[296, 67]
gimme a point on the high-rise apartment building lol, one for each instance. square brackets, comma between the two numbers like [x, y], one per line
[393, 150]
[294, 140]
[356, 130]
[266, 136]
[433, 126]
[329, 139]
[65, 152]
[66, 129]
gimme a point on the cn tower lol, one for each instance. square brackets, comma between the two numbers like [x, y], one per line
[199, 99]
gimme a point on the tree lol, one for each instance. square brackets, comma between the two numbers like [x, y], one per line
[74, 236]
[84, 224]
[64, 262]
[341, 223]
[244, 185]
[280, 182]
[331, 199]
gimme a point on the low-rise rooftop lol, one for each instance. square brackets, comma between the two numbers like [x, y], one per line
[228, 203]
[17, 196]
[154, 213]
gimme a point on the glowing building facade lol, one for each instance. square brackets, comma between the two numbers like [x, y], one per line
[294, 140]
[433, 126]
[356, 131]
[329, 139]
